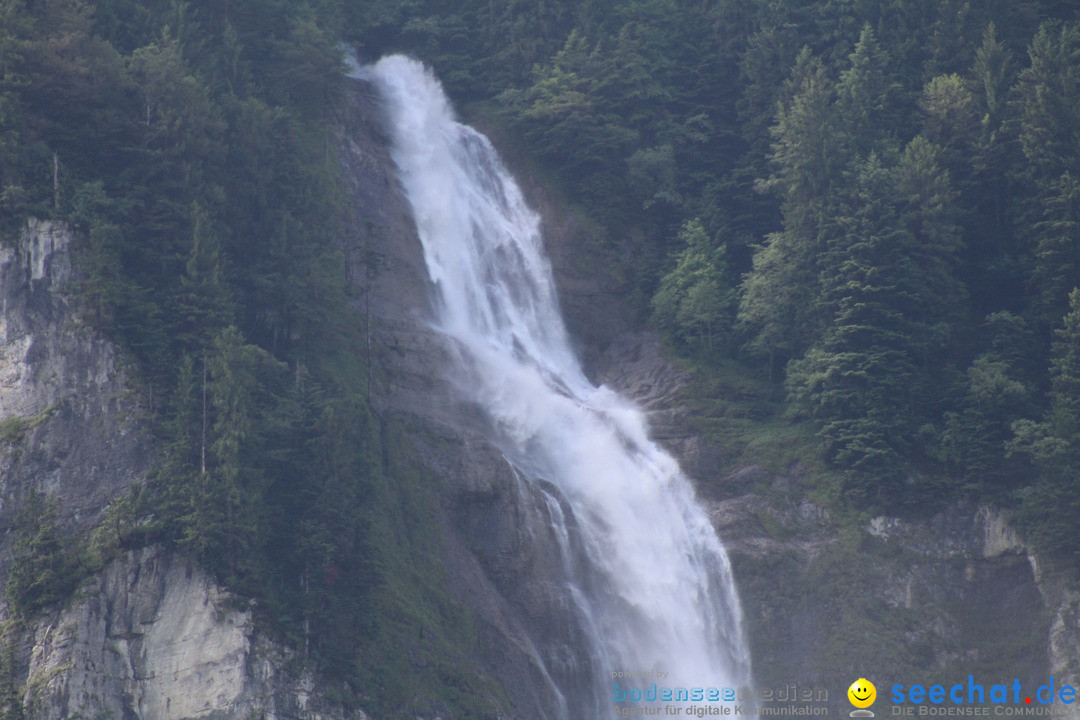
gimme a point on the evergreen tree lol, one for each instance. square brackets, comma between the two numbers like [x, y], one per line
[560, 113]
[1051, 504]
[237, 479]
[203, 304]
[780, 295]
[1056, 268]
[992, 268]
[11, 705]
[340, 569]
[1048, 100]
[927, 205]
[891, 296]
[857, 381]
[764, 65]
[1065, 375]
[974, 440]
[863, 95]
[42, 572]
[951, 34]
[992, 71]
[948, 107]
[695, 302]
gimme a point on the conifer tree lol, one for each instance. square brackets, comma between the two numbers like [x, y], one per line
[857, 380]
[863, 96]
[781, 293]
[1052, 503]
[1048, 101]
[695, 302]
[42, 571]
[1056, 269]
[203, 304]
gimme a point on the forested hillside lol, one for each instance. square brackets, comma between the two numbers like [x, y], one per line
[872, 206]
[191, 145]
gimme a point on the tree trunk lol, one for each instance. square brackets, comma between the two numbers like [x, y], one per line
[202, 449]
[56, 181]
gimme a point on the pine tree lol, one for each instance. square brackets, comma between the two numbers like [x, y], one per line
[927, 208]
[1056, 268]
[780, 295]
[948, 109]
[340, 569]
[891, 298]
[11, 705]
[1065, 375]
[1048, 100]
[695, 301]
[203, 303]
[992, 266]
[234, 391]
[42, 571]
[1051, 503]
[864, 96]
[992, 71]
[857, 381]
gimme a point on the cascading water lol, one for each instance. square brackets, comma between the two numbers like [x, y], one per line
[645, 573]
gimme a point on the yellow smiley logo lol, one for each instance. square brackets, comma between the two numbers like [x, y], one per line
[862, 693]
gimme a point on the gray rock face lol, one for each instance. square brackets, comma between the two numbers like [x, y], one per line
[152, 637]
[496, 566]
[148, 637]
[79, 435]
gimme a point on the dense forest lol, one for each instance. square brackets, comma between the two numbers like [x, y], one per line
[872, 206]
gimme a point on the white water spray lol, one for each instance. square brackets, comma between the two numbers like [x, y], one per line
[646, 574]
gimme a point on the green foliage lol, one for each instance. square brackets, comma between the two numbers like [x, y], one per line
[42, 569]
[191, 147]
[1050, 505]
[1048, 99]
[780, 295]
[1056, 268]
[889, 289]
[127, 523]
[883, 176]
[11, 705]
[949, 110]
[560, 116]
[975, 436]
[856, 382]
[695, 302]
[863, 94]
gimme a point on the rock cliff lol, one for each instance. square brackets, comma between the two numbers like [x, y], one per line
[499, 563]
[148, 636]
[72, 416]
[153, 637]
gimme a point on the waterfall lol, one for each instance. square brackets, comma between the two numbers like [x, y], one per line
[647, 577]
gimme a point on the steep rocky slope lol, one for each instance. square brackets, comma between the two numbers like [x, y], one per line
[148, 636]
[496, 547]
[75, 419]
